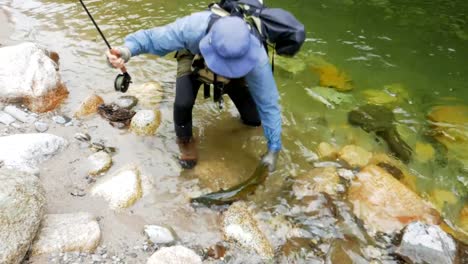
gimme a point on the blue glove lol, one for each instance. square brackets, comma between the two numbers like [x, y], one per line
[269, 159]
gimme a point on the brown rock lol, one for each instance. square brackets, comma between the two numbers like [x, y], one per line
[355, 156]
[385, 204]
[326, 150]
[315, 181]
[89, 106]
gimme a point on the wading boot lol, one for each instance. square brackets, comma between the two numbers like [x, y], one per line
[188, 152]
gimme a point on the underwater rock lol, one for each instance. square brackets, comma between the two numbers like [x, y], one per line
[331, 76]
[317, 180]
[121, 189]
[208, 171]
[379, 97]
[126, 101]
[149, 95]
[385, 204]
[89, 106]
[291, 65]
[424, 152]
[355, 156]
[327, 151]
[159, 234]
[463, 218]
[239, 225]
[146, 122]
[22, 206]
[100, 161]
[116, 115]
[6, 119]
[379, 119]
[19, 114]
[450, 127]
[174, 255]
[329, 97]
[29, 76]
[26, 151]
[396, 168]
[345, 251]
[67, 233]
[422, 243]
[441, 198]
[41, 126]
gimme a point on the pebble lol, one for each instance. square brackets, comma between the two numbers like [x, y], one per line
[325, 164]
[19, 114]
[6, 119]
[41, 126]
[346, 174]
[83, 137]
[61, 119]
[126, 101]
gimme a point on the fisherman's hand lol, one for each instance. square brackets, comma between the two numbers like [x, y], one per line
[269, 159]
[118, 56]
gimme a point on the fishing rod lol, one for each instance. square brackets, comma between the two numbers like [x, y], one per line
[123, 80]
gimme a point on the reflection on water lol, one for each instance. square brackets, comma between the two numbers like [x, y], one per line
[413, 50]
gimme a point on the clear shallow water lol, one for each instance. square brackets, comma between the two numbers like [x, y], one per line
[420, 45]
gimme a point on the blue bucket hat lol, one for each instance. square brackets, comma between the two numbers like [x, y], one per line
[229, 49]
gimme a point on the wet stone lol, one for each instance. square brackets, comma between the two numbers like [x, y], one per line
[61, 120]
[100, 162]
[146, 122]
[83, 137]
[159, 234]
[41, 126]
[6, 119]
[126, 101]
[423, 243]
[355, 156]
[19, 114]
[89, 106]
[174, 255]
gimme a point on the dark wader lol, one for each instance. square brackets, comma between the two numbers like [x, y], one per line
[187, 87]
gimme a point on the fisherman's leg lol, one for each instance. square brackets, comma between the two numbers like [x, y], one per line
[186, 93]
[240, 95]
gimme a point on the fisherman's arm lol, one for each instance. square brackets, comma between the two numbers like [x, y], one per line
[263, 88]
[184, 33]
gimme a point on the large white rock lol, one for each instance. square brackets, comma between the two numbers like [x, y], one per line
[159, 234]
[239, 225]
[121, 189]
[423, 243]
[174, 255]
[66, 233]
[26, 151]
[28, 74]
[22, 205]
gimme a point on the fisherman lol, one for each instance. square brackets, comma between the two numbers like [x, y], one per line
[232, 52]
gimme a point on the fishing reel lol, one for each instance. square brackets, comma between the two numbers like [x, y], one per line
[122, 81]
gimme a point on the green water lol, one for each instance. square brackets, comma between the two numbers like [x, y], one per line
[420, 45]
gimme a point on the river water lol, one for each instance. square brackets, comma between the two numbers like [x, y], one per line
[418, 46]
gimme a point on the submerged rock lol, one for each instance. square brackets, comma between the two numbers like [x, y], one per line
[329, 97]
[317, 180]
[126, 101]
[118, 117]
[121, 189]
[22, 205]
[89, 106]
[159, 234]
[423, 243]
[326, 150]
[100, 161]
[385, 204]
[379, 119]
[239, 225]
[29, 76]
[149, 95]
[331, 76]
[174, 255]
[67, 233]
[355, 156]
[26, 151]
[146, 122]
[450, 127]
[19, 114]
[6, 119]
[41, 126]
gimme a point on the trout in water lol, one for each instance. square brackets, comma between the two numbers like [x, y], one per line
[234, 193]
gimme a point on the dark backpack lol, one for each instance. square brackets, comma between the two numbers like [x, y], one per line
[274, 26]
